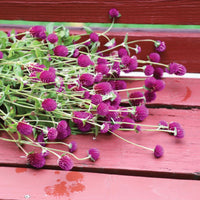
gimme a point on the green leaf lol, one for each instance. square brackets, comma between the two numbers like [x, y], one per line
[126, 38]
[50, 27]
[2, 98]
[17, 70]
[110, 43]
[87, 29]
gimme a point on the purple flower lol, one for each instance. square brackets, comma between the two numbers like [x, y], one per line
[36, 160]
[94, 37]
[24, 128]
[122, 52]
[49, 105]
[138, 128]
[86, 79]
[65, 162]
[116, 102]
[84, 61]
[132, 65]
[125, 60]
[102, 88]
[104, 127]
[114, 13]
[79, 116]
[102, 109]
[158, 151]
[179, 132]
[150, 96]
[141, 113]
[52, 133]
[85, 128]
[72, 146]
[98, 77]
[112, 114]
[102, 68]
[1, 54]
[38, 32]
[136, 98]
[158, 73]
[149, 69]
[94, 154]
[48, 76]
[163, 125]
[181, 70]
[96, 99]
[116, 69]
[75, 53]
[52, 38]
[63, 129]
[35, 67]
[102, 61]
[61, 50]
[127, 123]
[120, 85]
[154, 57]
[173, 67]
[138, 49]
[154, 85]
[160, 46]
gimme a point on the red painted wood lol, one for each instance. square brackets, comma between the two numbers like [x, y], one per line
[55, 184]
[178, 92]
[181, 158]
[139, 12]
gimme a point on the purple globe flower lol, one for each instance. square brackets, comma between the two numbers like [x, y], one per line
[141, 113]
[104, 127]
[154, 57]
[102, 88]
[48, 76]
[63, 129]
[136, 98]
[102, 109]
[154, 85]
[150, 96]
[181, 70]
[120, 85]
[84, 127]
[94, 37]
[158, 73]
[61, 50]
[158, 151]
[1, 54]
[24, 128]
[66, 163]
[94, 154]
[49, 105]
[52, 38]
[86, 79]
[98, 78]
[79, 116]
[38, 32]
[122, 52]
[149, 69]
[127, 123]
[96, 99]
[75, 53]
[178, 130]
[52, 133]
[84, 61]
[102, 68]
[36, 160]
[72, 146]
[114, 13]
[163, 125]
[160, 46]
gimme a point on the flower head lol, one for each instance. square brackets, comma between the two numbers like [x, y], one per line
[49, 105]
[114, 13]
[160, 46]
[61, 50]
[84, 61]
[94, 154]
[38, 32]
[24, 128]
[1, 54]
[48, 76]
[163, 125]
[75, 53]
[178, 130]
[127, 123]
[154, 85]
[158, 73]
[52, 133]
[150, 96]
[86, 79]
[102, 109]
[72, 146]
[94, 37]
[104, 127]
[52, 38]
[66, 163]
[102, 88]
[136, 98]
[36, 160]
[102, 68]
[96, 99]
[149, 69]
[122, 52]
[158, 151]
[141, 113]
[154, 57]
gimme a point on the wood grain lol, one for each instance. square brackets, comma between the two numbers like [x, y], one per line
[181, 158]
[59, 185]
[136, 12]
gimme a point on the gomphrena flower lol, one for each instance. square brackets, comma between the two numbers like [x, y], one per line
[158, 151]
[52, 133]
[94, 154]
[102, 109]
[154, 85]
[127, 123]
[163, 125]
[72, 146]
[65, 162]
[80, 116]
[120, 85]
[86, 79]
[96, 99]
[141, 113]
[38, 32]
[75, 53]
[102, 68]
[114, 13]
[122, 52]
[150, 96]
[84, 61]
[149, 70]
[35, 67]
[160, 46]
[178, 130]
[158, 73]
[48, 76]
[154, 57]
[136, 98]
[36, 160]
[98, 78]
[49, 104]
[94, 37]
[102, 88]
[132, 65]
[1, 54]
[63, 129]
[181, 70]
[176, 68]
[104, 127]
[24, 128]
[60, 50]
[52, 38]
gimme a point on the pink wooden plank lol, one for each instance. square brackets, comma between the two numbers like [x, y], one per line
[178, 92]
[181, 156]
[23, 183]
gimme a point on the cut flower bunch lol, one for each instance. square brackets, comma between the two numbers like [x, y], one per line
[54, 84]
